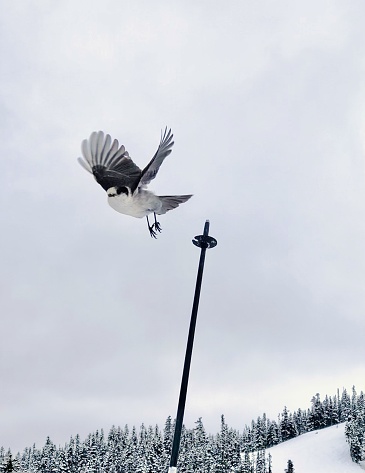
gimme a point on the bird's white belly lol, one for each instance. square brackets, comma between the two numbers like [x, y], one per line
[137, 206]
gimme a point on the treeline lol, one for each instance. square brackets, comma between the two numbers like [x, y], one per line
[264, 433]
[125, 450]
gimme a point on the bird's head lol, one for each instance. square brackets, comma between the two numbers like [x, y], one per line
[117, 190]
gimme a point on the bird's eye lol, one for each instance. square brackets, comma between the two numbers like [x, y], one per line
[122, 190]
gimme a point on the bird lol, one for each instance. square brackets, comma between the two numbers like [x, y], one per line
[124, 182]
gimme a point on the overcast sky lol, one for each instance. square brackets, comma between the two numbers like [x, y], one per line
[266, 101]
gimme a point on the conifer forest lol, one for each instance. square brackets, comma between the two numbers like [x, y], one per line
[148, 449]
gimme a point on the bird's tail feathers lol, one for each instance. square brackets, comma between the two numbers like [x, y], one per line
[170, 202]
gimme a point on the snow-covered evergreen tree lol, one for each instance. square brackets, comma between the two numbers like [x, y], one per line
[228, 451]
[131, 452]
[345, 406]
[116, 449]
[203, 458]
[8, 464]
[245, 465]
[316, 413]
[287, 426]
[260, 462]
[186, 455]
[155, 451]
[168, 435]
[355, 430]
[290, 467]
[333, 411]
[269, 464]
[48, 458]
[300, 421]
[62, 465]
[353, 400]
[259, 431]
[273, 434]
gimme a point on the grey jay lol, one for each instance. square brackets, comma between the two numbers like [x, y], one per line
[124, 182]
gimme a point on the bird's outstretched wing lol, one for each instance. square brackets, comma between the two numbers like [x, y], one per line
[170, 202]
[163, 150]
[108, 162]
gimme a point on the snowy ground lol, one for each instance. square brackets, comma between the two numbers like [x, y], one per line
[324, 451]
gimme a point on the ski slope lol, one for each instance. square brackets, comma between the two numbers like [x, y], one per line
[322, 451]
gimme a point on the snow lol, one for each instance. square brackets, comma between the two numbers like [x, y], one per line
[324, 451]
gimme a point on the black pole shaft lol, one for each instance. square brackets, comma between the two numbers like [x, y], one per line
[189, 351]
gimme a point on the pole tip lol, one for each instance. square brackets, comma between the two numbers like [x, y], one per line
[206, 228]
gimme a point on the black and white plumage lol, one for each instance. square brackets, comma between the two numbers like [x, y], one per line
[124, 181]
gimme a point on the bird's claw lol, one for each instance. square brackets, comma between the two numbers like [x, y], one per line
[152, 231]
[157, 226]
[154, 228]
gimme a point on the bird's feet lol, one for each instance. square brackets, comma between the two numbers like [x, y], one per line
[154, 228]
[152, 231]
[157, 226]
